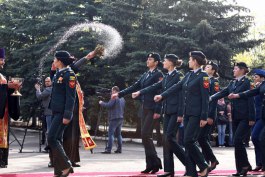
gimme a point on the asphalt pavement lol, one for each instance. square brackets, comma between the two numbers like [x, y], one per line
[132, 159]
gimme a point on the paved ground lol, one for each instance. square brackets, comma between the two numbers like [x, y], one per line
[131, 161]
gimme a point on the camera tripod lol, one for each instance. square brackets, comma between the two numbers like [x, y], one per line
[104, 125]
[15, 138]
[38, 125]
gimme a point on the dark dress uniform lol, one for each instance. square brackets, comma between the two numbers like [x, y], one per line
[206, 130]
[12, 104]
[259, 91]
[62, 106]
[171, 109]
[195, 90]
[149, 108]
[243, 111]
[257, 129]
[71, 135]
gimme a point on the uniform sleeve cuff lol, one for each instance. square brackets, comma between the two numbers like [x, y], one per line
[204, 117]
[67, 115]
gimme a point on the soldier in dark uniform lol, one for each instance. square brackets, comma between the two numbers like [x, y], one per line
[151, 110]
[9, 107]
[258, 77]
[71, 135]
[62, 106]
[243, 115]
[172, 113]
[195, 89]
[258, 91]
[212, 70]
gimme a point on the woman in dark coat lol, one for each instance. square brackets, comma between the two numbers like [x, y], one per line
[151, 110]
[195, 89]
[258, 91]
[172, 113]
[243, 115]
[71, 136]
[62, 106]
[212, 70]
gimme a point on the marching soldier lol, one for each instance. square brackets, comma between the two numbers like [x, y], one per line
[195, 89]
[172, 111]
[212, 70]
[243, 115]
[151, 110]
[258, 91]
[9, 107]
[62, 105]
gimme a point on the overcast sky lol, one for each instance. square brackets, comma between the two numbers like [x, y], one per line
[257, 9]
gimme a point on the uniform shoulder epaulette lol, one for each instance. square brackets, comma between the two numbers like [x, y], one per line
[180, 73]
[204, 73]
[216, 80]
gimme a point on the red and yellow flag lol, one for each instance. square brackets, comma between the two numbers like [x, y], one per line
[85, 136]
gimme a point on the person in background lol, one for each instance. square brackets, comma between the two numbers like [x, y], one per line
[222, 120]
[230, 124]
[45, 97]
[115, 115]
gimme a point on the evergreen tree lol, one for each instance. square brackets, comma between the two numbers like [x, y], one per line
[217, 28]
[28, 30]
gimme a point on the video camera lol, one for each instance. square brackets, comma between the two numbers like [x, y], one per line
[38, 81]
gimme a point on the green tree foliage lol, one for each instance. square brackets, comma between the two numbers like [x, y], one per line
[215, 27]
[28, 30]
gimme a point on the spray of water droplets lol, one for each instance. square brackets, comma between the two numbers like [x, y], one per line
[108, 36]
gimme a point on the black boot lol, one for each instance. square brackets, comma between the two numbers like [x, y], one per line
[157, 165]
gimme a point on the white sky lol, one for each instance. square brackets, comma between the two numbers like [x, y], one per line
[257, 9]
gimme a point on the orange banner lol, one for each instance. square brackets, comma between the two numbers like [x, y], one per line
[85, 136]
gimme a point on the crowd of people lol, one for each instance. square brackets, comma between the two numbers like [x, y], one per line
[193, 101]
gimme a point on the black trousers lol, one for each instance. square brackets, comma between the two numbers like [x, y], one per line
[262, 145]
[55, 135]
[3, 157]
[240, 131]
[205, 143]
[192, 152]
[170, 145]
[147, 124]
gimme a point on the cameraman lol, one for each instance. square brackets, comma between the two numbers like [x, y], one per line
[45, 96]
[115, 115]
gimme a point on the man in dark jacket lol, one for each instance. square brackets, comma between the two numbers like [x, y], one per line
[45, 97]
[115, 114]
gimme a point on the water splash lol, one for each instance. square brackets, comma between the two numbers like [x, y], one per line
[106, 35]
